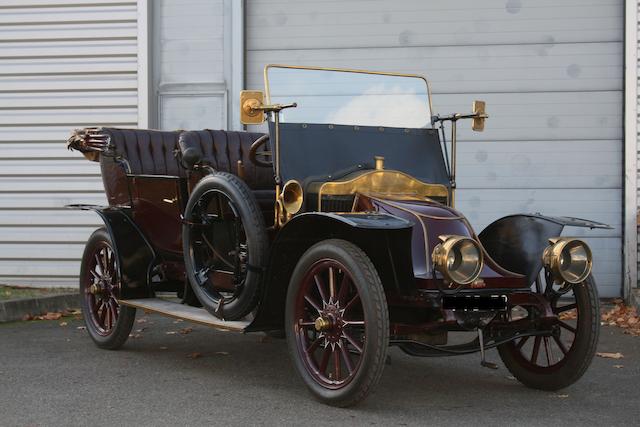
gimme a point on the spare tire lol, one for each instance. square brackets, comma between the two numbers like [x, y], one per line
[225, 245]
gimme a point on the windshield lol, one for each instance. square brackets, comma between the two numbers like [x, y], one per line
[349, 97]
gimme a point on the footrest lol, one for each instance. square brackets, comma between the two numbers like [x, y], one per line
[185, 312]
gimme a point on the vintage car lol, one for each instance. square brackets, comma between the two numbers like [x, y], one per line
[337, 229]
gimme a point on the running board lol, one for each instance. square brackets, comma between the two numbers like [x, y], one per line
[185, 312]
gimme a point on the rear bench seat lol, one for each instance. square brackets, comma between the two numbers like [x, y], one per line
[153, 152]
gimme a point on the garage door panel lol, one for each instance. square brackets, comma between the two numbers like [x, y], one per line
[41, 66]
[311, 25]
[48, 217]
[117, 12]
[16, 84]
[97, 30]
[58, 251]
[68, 48]
[457, 69]
[483, 206]
[49, 200]
[50, 184]
[539, 164]
[68, 65]
[38, 235]
[92, 99]
[540, 115]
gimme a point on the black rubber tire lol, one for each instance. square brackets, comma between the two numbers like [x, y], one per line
[580, 355]
[374, 302]
[257, 243]
[126, 316]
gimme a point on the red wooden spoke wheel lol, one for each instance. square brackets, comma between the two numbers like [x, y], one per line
[558, 359]
[337, 322]
[107, 322]
[331, 323]
[102, 290]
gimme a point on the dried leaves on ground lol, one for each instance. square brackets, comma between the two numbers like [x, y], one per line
[54, 315]
[610, 355]
[624, 317]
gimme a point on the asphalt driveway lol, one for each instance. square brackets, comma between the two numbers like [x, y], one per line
[53, 375]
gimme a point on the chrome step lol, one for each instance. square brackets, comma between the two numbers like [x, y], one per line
[185, 312]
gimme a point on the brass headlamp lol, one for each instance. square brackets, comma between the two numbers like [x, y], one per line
[569, 260]
[458, 258]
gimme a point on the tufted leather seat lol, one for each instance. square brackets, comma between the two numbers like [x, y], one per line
[223, 149]
[148, 152]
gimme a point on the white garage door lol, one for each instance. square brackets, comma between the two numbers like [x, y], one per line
[63, 64]
[550, 71]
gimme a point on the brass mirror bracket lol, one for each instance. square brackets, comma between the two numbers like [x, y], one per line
[250, 101]
[478, 116]
[477, 124]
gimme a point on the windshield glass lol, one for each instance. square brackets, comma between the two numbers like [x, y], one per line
[349, 98]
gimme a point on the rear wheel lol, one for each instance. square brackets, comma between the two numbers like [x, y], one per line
[557, 360]
[337, 322]
[108, 323]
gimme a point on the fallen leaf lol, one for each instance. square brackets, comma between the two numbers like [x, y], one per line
[143, 320]
[568, 315]
[63, 323]
[185, 331]
[194, 355]
[610, 355]
[618, 366]
[624, 317]
[511, 377]
[140, 330]
[52, 316]
[82, 328]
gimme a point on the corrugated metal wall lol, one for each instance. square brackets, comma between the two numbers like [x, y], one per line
[551, 72]
[63, 64]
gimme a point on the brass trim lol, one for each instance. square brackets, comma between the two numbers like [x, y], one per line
[387, 183]
[344, 70]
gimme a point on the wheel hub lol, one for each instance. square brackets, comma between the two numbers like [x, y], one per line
[330, 323]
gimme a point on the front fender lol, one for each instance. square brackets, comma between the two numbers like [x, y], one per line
[516, 242]
[386, 239]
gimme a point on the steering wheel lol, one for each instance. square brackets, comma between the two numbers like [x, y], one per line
[262, 158]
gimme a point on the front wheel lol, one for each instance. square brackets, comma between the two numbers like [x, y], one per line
[107, 322]
[337, 322]
[555, 361]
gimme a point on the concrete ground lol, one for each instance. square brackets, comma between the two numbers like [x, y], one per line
[53, 375]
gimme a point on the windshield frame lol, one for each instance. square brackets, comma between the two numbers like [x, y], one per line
[345, 70]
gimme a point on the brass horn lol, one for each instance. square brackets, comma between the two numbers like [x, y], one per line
[292, 197]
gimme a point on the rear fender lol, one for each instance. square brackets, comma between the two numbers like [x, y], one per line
[386, 239]
[135, 255]
[516, 242]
